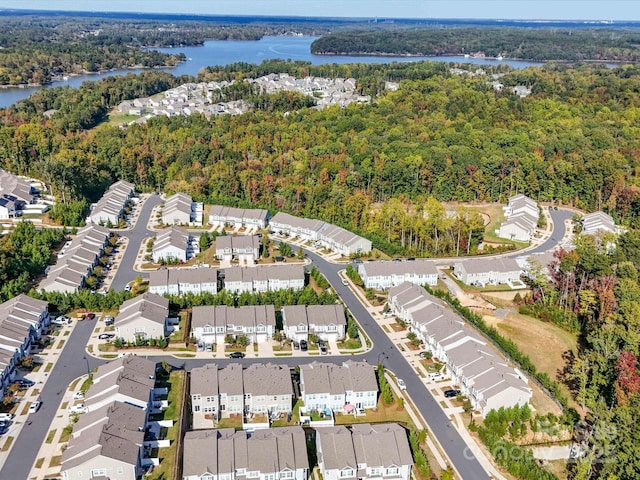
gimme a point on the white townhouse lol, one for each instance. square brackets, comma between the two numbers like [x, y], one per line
[77, 260]
[522, 219]
[143, 317]
[174, 244]
[341, 388]
[328, 322]
[180, 209]
[273, 454]
[15, 194]
[488, 271]
[364, 452]
[106, 443]
[110, 207]
[181, 281]
[243, 248]
[599, 221]
[342, 241]
[264, 389]
[129, 379]
[22, 321]
[254, 219]
[483, 376]
[303, 228]
[263, 278]
[382, 275]
[210, 324]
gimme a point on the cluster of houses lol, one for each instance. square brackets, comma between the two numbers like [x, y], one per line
[252, 219]
[382, 275]
[76, 260]
[260, 394]
[174, 245]
[482, 375]
[522, 215]
[182, 281]
[15, 195]
[180, 209]
[115, 438]
[202, 97]
[22, 322]
[110, 208]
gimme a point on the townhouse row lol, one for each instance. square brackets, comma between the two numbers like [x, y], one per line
[483, 376]
[180, 209]
[362, 451]
[329, 236]
[15, 194]
[110, 208]
[522, 215]
[235, 279]
[23, 320]
[267, 390]
[76, 260]
[115, 438]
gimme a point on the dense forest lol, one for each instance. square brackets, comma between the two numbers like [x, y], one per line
[534, 44]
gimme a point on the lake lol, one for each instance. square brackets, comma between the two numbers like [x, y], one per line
[225, 52]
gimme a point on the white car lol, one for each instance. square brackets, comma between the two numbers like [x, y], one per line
[436, 376]
[401, 384]
[6, 416]
[78, 396]
[35, 406]
[345, 281]
[78, 409]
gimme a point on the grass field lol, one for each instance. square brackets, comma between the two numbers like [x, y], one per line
[545, 343]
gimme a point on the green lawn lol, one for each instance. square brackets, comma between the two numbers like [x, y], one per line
[167, 456]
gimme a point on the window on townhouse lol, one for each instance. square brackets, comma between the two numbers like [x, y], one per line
[253, 474]
[99, 472]
[347, 472]
[196, 408]
[286, 474]
[332, 328]
[261, 329]
[139, 330]
[241, 471]
[211, 399]
[195, 396]
[376, 472]
[275, 397]
[269, 476]
[391, 471]
[208, 329]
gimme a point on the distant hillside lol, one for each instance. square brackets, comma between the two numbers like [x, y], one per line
[533, 44]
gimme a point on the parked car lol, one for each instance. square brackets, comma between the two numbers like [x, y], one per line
[401, 384]
[451, 393]
[323, 350]
[127, 288]
[436, 376]
[26, 382]
[108, 321]
[388, 314]
[4, 429]
[6, 416]
[321, 343]
[60, 321]
[90, 316]
[78, 409]
[296, 345]
[423, 355]
[303, 345]
[106, 336]
[35, 406]
[345, 281]
[78, 395]
[236, 355]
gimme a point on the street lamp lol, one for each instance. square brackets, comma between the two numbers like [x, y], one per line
[88, 369]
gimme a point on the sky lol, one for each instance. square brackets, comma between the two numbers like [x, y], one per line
[486, 9]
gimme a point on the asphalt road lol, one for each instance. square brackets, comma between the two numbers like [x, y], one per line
[125, 272]
[69, 366]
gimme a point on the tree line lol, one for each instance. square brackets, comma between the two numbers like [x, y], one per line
[534, 44]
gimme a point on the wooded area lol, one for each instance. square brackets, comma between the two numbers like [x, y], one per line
[534, 44]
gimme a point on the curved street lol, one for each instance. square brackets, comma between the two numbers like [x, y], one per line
[71, 362]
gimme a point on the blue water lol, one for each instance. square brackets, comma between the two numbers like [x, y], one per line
[224, 52]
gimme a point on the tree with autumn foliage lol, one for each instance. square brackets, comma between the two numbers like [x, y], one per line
[627, 383]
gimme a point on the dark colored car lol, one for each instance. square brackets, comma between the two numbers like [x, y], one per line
[236, 355]
[303, 345]
[321, 343]
[451, 393]
[90, 316]
[105, 336]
